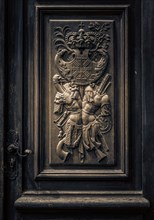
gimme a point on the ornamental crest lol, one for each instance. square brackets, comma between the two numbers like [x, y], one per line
[82, 105]
[82, 55]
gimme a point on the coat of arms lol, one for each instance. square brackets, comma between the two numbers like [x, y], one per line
[81, 103]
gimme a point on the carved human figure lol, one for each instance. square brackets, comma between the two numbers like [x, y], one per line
[82, 122]
[68, 106]
[95, 107]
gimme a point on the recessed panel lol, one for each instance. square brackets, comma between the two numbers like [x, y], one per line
[82, 90]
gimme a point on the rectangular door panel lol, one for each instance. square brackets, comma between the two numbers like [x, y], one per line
[80, 91]
[79, 77]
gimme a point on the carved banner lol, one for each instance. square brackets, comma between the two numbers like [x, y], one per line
[82, 104]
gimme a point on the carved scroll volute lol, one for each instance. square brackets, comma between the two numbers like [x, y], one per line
[81, 103]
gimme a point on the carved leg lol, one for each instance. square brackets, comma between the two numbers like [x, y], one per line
[85, 135]
[94, 133]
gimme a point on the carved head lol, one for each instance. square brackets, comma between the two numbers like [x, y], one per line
[89, 94]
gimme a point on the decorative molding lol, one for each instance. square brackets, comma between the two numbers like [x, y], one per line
[117, 165]
[76, 200]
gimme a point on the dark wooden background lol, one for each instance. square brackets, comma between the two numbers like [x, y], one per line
[61, 198]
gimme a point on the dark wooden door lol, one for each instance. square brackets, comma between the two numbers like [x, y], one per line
[77, 103]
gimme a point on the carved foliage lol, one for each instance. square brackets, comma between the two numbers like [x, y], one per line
[81, 103]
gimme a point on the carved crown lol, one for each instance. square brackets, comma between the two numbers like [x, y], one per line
[82, 55]
[82, 39]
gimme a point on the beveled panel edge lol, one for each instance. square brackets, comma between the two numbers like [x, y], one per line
[80, 174]
[79, 7]
[93, 192]
[123, 172]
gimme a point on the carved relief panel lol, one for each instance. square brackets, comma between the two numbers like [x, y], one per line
[82, 78]
[81, 88]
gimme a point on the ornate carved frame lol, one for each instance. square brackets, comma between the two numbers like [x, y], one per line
[120, 168]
